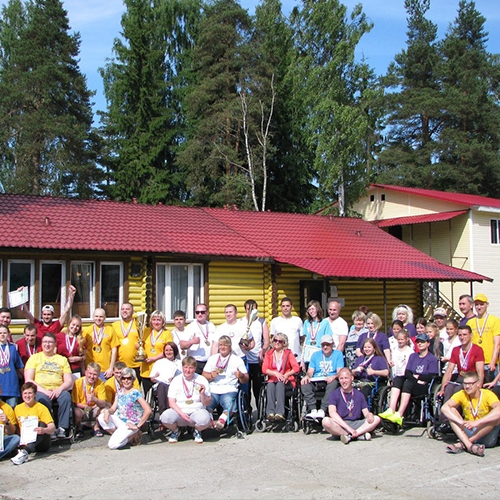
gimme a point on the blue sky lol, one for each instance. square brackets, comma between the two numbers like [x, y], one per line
[98, 22]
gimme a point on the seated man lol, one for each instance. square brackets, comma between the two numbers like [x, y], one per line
[188, 397]
[113, 383]
[323, 370]
[8, 421]
[51, 374]
[45, 428]
[224, 371]
[479, 426]
[89, 397]
[349, 416]
[29, 344]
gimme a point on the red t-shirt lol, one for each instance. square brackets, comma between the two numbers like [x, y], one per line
[42, 328]
[474, 354]
[23, 349]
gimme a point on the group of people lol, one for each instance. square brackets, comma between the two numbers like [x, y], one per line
[197, 369]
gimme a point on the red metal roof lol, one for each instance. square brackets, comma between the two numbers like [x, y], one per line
[418, 219]
[336, 247]
[469, 200]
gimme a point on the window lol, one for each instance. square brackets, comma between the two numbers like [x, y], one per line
[372, 197]
[52, 284]
[111, 292]
[21, 273]
[179, 286]
[382, 197]
[82, 278]
[494, 227]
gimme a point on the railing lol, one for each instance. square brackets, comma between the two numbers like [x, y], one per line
[433, 298]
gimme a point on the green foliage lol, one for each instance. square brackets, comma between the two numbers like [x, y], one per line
[46, 141]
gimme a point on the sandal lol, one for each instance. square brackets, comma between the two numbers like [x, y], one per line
[97, 433]
[455, 449]
[477, 449]
[79, 435]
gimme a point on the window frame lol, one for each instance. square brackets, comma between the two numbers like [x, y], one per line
[121, 286]
[62, 263]
[31, 285]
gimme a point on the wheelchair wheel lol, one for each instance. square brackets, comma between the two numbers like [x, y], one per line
[244, 413]
[260, 426]
[431, 431]
[306, 427]
[437, 402]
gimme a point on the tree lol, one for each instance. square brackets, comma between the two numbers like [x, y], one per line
[46, 141]
[142, 125]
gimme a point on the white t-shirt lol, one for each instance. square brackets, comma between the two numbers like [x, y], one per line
[183, 390]
[167, 370]
[177, 336]
[206, 334]
[226, 381]
[234, 332]
[339, 328]
[292, 328]
[257, 333]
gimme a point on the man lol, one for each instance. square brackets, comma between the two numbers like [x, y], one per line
[9, 424]
[322, 373]
[47, 323]
[101, 344]
[89, 398]
[290, 325]
[6, 319]
[466, 306]
[338, 325]
[199, 338]
[486, 334]
[349, 416]
[51, 374]
[178, 331]
[478, 428]
[235, 330]
[113, 383]
[439, 317]
[224, 372]
[29, 344]
[127, 337]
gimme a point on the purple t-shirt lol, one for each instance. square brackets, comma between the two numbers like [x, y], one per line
[376, 363]
[428, 365]
[354, 400]
[409, 327]
[464, 320]
[379, 337]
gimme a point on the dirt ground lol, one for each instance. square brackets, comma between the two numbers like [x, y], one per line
[260, 466]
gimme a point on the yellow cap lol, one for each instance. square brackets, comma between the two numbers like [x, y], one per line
[480, 297]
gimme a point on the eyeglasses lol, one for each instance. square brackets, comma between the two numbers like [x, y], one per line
[467, 384]
[278, 341]
[200, 312]
[126, 378]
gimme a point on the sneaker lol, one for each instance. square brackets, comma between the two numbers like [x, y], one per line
[321, 413]
[279, 417]
[20, 458]
[221, 423]
[174, 437]
[395, 418]
[270, 417]
[61, 433]
[367, 436]
[386, 414]
[312, 415]
[346, 438]
[197, 437]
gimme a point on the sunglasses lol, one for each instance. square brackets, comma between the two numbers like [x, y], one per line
[200, 312]
[278, 341]
[126, 378]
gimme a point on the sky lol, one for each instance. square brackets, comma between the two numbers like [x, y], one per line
[98, 22]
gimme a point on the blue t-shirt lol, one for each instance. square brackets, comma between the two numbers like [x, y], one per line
[326, 367]
[9, 379]
[349, 406]
[318, 329]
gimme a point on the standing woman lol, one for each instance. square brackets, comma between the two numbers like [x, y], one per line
[71, 346]
[313, 329]
[11, 369]
[405, 314]
[280, 366]
[129, 413]
[155, 338]
[374, 323]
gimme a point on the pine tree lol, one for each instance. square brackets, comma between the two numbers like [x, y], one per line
[46, 141]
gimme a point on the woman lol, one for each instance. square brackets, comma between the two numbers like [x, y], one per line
[31, 409]
[71, 346]
[420, 370]
[11, 366]
[370, 365]
[280, 366]
[358, 327]
[127, 415]
[374, 323]
[314, 328]
[188, 398]
[404, 314]
[155, 339]
[163, 371]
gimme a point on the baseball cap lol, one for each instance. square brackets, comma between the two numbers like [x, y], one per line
[480, 297]
[422, 336]
[48, 308]
[440, 311]
[326, 339]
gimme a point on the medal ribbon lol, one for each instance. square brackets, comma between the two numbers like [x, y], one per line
[480, 331]
[205, 335]
[313, 331]
[87, 394]
[220, 363]
[374, 336]
[475, 410]
[97, 336]
[4, 355]
[365, 362]
[154, 338]
[349, 404]
[28, 349]
[70, 345]
[185, 387]
[126, 331]
[464, 360]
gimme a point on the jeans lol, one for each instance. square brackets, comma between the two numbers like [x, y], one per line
[65, 405]
[226, 401]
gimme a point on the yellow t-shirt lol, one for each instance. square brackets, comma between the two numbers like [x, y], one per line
[483, 404]
[9, 413]
[153, 351]
[49, 371]
[78, 393]
[489, 332]
[37, 410]
[127, 349]
[100, 353]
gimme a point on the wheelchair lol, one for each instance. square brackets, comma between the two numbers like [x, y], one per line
[240, 417]
[422, 411]
[293, 410]
[153, 424]
[71, 431]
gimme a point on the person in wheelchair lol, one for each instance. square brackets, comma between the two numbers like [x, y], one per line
[321, 375]
[348, 412]
[224, 372]
[370, 365]
[422, 367]
[478, 428]
[281, 367]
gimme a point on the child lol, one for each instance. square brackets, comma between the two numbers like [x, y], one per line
[401, 353]
[358, 327]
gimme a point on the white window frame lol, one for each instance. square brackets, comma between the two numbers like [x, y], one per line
[31, 284]
[120, 293]
[62, 263]
[167, 292]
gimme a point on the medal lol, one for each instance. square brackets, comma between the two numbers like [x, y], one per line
[480, 341]
[313, 329]
[153, 351]
[5, 358]
[313, 342]
[350, 413]
[189, 401]
[87, 411]
[97, 349]
[205, 335]
[207, 342]
[183, 352]
[126, 331]
[220, 365]
[125, 341]
[480, 331]
[97, 337]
